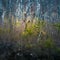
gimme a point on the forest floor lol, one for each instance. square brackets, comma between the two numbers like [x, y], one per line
[22, 44]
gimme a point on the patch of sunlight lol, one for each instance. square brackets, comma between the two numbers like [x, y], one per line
[43, 32]
[17, 24]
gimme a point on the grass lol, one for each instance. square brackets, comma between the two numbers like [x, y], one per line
[29, 36]
[27, 41]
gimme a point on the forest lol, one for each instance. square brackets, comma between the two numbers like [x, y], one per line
[29, 29]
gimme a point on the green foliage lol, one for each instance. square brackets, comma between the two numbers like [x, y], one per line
[49, 43]
[30, 34]
[57, 25]
[33, 29]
